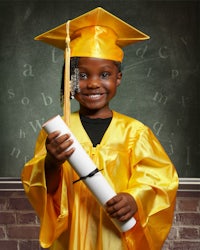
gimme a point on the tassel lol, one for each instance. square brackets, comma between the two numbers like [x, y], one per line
[67, 108]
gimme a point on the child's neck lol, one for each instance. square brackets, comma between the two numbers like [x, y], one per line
[93, 114]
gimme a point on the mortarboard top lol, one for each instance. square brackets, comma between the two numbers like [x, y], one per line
[96, 33]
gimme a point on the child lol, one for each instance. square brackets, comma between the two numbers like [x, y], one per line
[126, 151]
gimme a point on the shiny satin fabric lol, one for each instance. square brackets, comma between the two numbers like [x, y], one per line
[101, 43]
[133, 161]
[96, 33]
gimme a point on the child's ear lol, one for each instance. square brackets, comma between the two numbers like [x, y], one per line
[119, 78]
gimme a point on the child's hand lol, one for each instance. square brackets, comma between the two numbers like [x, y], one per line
[57, 147]
[121, 207]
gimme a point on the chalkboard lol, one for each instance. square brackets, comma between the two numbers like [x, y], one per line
[160, 84]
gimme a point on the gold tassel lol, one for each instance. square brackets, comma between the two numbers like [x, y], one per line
[67, 109]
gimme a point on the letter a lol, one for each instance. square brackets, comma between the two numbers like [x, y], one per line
[28, 70]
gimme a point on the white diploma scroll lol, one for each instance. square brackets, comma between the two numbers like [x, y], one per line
[84, 166]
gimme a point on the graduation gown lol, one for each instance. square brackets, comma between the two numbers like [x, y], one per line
[133, 161]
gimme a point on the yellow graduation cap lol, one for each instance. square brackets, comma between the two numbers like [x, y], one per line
[96, 33]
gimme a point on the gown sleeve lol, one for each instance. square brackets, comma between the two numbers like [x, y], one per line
[53, 218]
[153, 184]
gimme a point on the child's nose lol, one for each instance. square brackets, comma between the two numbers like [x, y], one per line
[93, 83]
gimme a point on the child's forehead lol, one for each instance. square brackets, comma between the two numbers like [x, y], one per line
[97, 61]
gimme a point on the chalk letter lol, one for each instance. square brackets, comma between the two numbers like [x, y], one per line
[37, 125]
[11, 94]
[26, 158]
[183, 40]
[162, 52]
[15, 152]
[158, 97]
[171, 149]
[140, 52]
[47, 99]
[54, 56]
[21, 134]
[28, 71]
[25, 100]
[185, 101]
[149, 72]
[157, 127]
[175, 73]
[178, 122]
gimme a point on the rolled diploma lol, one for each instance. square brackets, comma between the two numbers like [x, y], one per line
[83, 165]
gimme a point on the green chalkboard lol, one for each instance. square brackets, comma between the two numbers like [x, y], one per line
[160, 83]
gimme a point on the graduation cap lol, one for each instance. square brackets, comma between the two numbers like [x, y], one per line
[96, 33]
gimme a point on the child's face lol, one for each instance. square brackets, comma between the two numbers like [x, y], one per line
[98, 82]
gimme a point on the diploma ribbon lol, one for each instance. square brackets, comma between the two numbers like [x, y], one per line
[89, 175]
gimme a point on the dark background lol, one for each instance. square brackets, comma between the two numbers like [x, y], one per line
[160, 84]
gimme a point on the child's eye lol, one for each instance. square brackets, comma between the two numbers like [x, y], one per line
[82, 76]
[105, 74]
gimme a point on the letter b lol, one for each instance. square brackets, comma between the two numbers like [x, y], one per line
[47, 99]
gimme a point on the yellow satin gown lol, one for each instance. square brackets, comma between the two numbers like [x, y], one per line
[133, 161]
